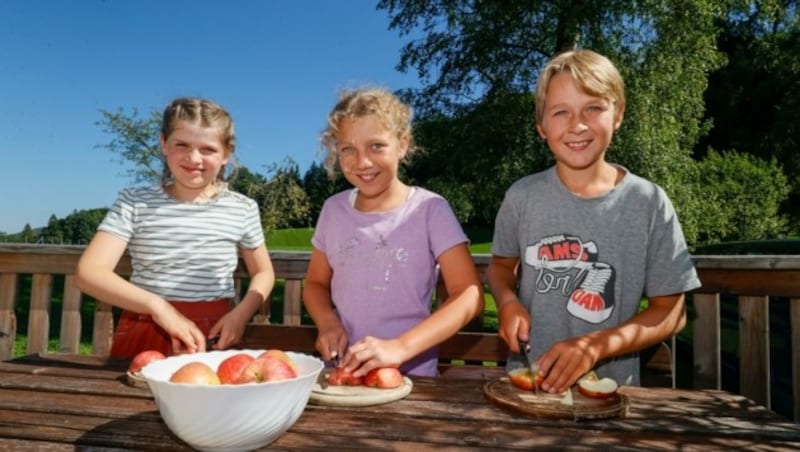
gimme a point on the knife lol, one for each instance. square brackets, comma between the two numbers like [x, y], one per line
[524, 348]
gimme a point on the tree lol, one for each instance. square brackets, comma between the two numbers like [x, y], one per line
[318, 186]
[285, 202]
[135, 140]
[479, 60]
[28, 234]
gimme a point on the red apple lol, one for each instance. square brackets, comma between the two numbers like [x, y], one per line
[231, 368]
[384, 378]
[195, 372]
[525, 378]
[266, 368]
[144, 358]
[280, 354]
[339, 377]
[597, 388]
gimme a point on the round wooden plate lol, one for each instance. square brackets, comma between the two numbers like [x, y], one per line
[353, 396]
[549, 406]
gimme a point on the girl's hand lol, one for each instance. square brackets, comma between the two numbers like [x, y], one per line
[565, 363]
[514, 324]
[332, 342]
[186, 336]
[229, 330]
[370, 353]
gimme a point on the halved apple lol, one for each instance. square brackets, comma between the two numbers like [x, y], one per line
[597, 388]
[525, 378]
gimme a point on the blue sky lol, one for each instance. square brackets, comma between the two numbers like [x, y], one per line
[277, 65]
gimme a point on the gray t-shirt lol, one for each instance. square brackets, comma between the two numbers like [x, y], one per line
[586, 263]
[184, 251]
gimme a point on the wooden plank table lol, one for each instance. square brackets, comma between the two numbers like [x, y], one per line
[69, 402]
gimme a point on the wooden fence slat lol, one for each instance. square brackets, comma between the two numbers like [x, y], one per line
[103, 329]
[795, 325]
[292, 301]
[754, 372]
[8, 319]
[39, 314]
[706, 342]
[70, 339]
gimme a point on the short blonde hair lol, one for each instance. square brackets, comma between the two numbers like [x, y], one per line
[593, 72]
[394, 114]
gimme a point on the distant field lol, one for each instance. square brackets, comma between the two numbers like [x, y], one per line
[300, 240]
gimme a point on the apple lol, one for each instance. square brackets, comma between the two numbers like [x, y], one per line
[525, 378]
[266, 368]
[195, 372]
[341, 377]
[597, 388]
[280, 354]
[384, 378]
[144, 358]
[232, 367]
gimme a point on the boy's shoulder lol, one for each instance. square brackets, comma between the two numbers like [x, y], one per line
[532, 181]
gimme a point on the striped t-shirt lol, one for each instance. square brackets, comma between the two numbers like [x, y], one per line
[184, 251]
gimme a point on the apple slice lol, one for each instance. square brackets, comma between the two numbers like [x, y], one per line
[597, 388]
[525, 378]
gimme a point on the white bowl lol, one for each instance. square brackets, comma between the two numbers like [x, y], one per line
[230, 417]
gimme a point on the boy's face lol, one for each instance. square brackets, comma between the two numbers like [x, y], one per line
[577, 126]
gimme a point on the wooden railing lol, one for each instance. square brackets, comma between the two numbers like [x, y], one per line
[749, 282]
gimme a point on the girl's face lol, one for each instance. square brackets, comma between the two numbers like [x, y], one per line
[369, 156]
[578, 127]
[195, 155]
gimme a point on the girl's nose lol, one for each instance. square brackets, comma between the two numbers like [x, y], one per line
[362, 159]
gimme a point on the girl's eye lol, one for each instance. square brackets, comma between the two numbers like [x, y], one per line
[377, 147]
[347, 151]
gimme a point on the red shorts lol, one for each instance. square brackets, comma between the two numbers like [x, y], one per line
[138, 332]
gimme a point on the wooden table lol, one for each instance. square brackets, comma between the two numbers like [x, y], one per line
[68, 402]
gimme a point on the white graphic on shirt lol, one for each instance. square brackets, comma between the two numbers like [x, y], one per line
[381, 256]
[569, 266]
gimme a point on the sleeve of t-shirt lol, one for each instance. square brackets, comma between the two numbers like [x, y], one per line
[318, 239]
[253, 233]
[119, 219]
[444, 230]
[670, 269]
[505, 239]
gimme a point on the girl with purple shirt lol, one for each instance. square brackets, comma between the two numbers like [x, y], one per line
[377, 246]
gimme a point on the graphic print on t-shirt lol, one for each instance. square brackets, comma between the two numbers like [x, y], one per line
[570, 266]
[379, 256]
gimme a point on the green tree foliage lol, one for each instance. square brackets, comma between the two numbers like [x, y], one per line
[285, 203]
[76, 228]
[479, 61]
[28, 234]
[754, 99]
[319, 186]
[741, 197]
[135, 141]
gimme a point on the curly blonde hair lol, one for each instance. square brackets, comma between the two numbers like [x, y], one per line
[358, 103]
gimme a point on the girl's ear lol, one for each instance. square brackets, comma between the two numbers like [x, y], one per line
[540, 129]
[162, 141]
[403, 146]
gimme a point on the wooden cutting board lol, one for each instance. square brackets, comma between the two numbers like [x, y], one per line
[353, 396]
[549, 406]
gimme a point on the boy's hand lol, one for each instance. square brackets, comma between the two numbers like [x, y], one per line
[514, 324]
[565, 363]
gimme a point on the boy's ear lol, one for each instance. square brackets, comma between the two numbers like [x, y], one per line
[161, 142]
[619, 114]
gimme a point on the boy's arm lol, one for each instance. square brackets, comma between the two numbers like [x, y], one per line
[568, 360]
[513, 318]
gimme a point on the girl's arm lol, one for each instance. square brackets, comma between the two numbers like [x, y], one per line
[262, 280]
[568, 360]
[95, 276]
[331, 337]
[464, 302]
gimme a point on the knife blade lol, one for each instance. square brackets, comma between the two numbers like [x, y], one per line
[524, 348]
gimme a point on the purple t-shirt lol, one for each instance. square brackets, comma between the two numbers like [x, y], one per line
[384, 265]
